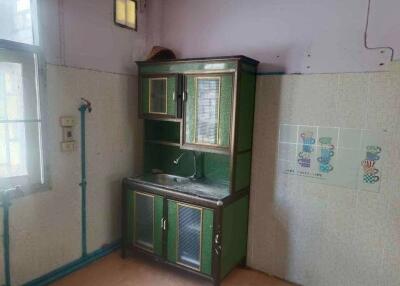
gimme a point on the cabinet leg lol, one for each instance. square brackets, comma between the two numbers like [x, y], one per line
[123, 252]
[216, 282]
[243, 262]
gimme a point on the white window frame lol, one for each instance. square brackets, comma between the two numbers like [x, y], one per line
[40, 74]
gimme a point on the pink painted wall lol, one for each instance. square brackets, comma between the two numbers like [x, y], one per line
[310, 36]
[83, 34]
[293, 36]
[384, 28]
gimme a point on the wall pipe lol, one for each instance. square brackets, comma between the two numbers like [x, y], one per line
[5, 204]
[366, 34]
[85, 106]
[5, 198]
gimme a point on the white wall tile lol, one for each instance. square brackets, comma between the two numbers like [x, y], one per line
[318, 234]
[46, 227]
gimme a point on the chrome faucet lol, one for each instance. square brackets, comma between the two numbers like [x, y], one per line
[176, 161]
[196, 174]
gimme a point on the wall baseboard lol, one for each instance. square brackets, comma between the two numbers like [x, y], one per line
[74, 265]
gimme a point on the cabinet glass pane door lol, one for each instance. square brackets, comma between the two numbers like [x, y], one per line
[207, 104]
[144, 220]
[189, 236]
[158, 95]
[207, 110]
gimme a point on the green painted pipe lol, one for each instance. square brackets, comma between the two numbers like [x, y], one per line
[6, 236]
[85, 105]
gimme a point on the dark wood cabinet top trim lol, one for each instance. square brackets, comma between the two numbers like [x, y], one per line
[205, 59]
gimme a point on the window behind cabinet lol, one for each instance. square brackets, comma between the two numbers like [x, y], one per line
[21, 126]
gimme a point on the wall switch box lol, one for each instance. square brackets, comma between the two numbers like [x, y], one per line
[67, 134]
[67, 121]
[68, 146]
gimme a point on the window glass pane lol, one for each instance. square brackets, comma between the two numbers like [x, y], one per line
[207, 107]
[158, 95]
[11, 94]
[18, 97]
[20, 153]
[3, 112]
[189, 236]
[120, 11]
[15, 156]
[131, 14]
[3, 149]
[21, 158]
[13, 159]
[16, 131]
[16, 21]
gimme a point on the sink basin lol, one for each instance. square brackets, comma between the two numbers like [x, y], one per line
[200, 187]
[166, 179]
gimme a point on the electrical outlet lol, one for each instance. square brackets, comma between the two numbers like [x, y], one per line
[67, 121]
[68, 146]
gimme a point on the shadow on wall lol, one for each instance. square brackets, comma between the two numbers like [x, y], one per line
[135, 125]
[264, 182]
[277, 60]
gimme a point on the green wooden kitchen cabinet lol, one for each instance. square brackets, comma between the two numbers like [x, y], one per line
[189, 208]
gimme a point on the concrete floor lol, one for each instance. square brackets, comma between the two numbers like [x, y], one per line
[112, 270]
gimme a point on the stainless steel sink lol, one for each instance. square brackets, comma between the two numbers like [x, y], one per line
[199, 187]
[166, 179]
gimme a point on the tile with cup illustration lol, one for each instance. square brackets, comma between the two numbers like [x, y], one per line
[306, 146]
[328, 136]
[307, 134]
[334, 156]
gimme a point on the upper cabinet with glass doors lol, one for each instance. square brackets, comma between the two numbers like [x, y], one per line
[212, 98]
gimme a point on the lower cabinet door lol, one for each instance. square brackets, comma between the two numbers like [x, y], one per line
[190, 232]
[147, 222]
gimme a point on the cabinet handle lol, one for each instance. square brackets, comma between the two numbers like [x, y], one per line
[216, 239]
[218, 249]
[184, 96]
[163, 224]
[173, 96]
